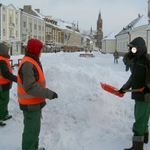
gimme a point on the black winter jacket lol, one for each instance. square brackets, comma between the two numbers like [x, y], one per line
[140, 74]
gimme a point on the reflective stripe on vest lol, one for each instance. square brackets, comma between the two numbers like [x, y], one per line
[23, 97]
[2, 79]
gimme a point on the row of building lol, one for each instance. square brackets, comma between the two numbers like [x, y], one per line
[18, 25]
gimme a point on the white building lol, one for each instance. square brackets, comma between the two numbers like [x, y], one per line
[108, 43]
[31, 25]
[136, 28]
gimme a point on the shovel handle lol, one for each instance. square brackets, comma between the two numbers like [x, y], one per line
[134, 90]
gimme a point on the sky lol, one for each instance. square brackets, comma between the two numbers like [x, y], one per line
[84, 116]
[116, 14]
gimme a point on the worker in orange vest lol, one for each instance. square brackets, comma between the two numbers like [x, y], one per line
[6, 78]
[32, 93]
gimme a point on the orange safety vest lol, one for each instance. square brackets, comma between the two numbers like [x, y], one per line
[23, 97]
[2, 79]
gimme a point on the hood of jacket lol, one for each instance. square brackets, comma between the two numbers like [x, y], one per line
[140, 43]
[4, 50]
[34, 47]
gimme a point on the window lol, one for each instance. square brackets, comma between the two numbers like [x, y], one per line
[127, 45]
[10, 19]
[16, 33]
[4, 18]
[16, 21]
[39, 37]
[123, 45]
[30, 26]
[4, 32]
[24, 24]
[10, 33]
[17, 47]
[39, 28]
[35, 27]
[46, 29]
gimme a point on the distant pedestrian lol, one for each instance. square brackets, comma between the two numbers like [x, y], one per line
[116, 57]
[6, 78]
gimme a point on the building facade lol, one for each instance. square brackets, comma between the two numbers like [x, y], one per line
[108, 43]
[10, 28]
[31, 25]
[19, 25]
[137, 27]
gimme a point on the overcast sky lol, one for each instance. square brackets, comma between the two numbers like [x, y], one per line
[116, 14]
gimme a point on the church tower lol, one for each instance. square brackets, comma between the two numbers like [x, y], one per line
[91, 34]
[99, 31]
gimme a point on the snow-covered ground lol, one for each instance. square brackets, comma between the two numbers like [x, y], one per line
[84, 117]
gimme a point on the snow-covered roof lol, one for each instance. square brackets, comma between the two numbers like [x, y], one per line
[143, 21]
[12, 6]
[110, 36]
[87, 32]
[39, 14]
[139, 21]
[63, 24]
[37, 17]
[42, 17]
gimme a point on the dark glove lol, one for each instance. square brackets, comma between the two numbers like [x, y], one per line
[146, 90]
[54, 95]
[121, 91]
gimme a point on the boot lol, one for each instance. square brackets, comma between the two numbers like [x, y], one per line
[129, 148]
[138, 145]
[138, 142]
[7, 117]
[132, 148]
[41, 148]
[2, 123]
[146, 136]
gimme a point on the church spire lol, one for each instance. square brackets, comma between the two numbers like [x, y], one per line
[91, 30]
[99, 30]
[77, 25]
[99, 16]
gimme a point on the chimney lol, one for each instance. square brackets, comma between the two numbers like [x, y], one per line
[38, 10]
[139, 15]
[26, 8]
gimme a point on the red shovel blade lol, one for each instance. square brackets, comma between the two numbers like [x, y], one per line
[111, 89]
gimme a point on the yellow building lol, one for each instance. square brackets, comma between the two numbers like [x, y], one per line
[10, 28]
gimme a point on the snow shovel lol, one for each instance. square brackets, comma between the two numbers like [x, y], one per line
[114, 90]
